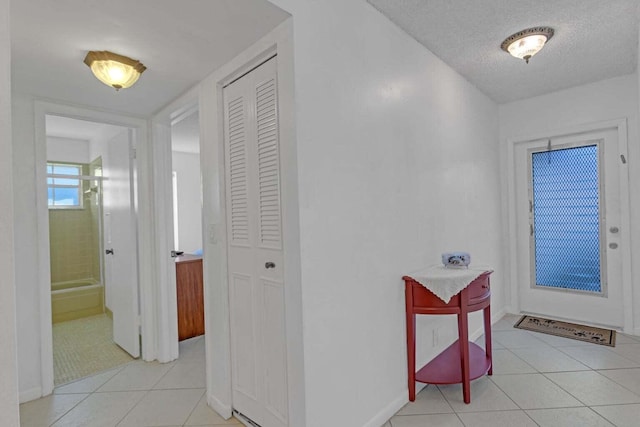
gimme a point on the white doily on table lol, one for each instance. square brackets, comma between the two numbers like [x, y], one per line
[446, 282]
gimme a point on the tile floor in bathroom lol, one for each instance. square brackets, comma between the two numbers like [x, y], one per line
[138, 394]
[538, 380]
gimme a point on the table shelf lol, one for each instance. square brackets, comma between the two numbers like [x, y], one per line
[441, 371]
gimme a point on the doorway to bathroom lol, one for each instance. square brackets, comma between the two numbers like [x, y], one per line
[92, 244]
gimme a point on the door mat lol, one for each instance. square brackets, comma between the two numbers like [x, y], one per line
[568, 330]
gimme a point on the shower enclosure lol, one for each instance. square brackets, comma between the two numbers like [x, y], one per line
[75, 235]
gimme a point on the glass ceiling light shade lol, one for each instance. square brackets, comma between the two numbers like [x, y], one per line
[526, 43]
[114, 70]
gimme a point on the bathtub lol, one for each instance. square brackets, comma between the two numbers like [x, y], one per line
[76, 299]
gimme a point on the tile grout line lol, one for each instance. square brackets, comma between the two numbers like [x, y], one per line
[636, 364]
[70, 409]
[87, 394]
[194, 408]
[601, 416]
[133, 407]
[621, 385]
[517, 357]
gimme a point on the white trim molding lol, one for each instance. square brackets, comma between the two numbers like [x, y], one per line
[144, 209]
[166, 317]
[29, 395]
[8, 341]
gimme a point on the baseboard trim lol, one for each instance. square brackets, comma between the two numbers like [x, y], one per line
[392, 408]
[29, 395]
[222, 409]
[499, 315]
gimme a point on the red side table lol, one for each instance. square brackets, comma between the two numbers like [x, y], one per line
[462, 361]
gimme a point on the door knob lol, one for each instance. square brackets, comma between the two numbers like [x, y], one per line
[614, 229]
[109, 251]
[613, 245]
[270, 265]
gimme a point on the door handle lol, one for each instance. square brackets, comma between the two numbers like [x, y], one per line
[270, 265]
[109, 251]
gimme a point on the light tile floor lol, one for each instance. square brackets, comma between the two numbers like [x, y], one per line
[539, 380]
[138, 394]
[82, 347]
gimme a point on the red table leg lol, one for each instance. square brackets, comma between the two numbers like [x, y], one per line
[411, 344]
[463, 337]
[487, 336]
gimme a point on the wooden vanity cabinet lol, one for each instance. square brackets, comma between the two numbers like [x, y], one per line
[190, 296]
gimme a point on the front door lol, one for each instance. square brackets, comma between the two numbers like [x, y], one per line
[255, 252]
[568, 207]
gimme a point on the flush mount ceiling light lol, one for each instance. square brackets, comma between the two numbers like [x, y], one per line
[526, 43]
[114, 70]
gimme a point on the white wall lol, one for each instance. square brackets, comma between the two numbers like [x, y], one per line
[601, 101]
[187, 168]
[68, 150]
[398, 162]
[8, 367]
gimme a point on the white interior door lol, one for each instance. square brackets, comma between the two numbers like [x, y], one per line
[121, 261]
[255, 257]
[568, 228]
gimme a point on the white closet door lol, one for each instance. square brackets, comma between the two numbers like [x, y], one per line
[258, 346]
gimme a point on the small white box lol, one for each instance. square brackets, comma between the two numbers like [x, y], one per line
[456, 259]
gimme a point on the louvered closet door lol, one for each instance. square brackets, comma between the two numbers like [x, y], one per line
[254, 231]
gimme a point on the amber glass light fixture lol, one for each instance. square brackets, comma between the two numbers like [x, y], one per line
[117, 71]
[526, 43]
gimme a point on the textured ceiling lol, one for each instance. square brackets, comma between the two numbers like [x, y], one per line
[180, 42]
[594, 40]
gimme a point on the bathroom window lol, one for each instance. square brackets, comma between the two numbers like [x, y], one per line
[64, 191]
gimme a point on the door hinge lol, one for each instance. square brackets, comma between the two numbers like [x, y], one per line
[531, 229]
[530, 206]
[134, 153]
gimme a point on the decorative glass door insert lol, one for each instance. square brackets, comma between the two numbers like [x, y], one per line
[566, 226]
